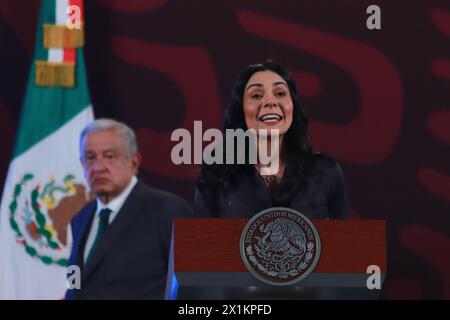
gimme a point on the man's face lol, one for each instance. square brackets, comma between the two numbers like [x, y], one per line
[107, 166]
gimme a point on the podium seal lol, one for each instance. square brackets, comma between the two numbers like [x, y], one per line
[280, 246]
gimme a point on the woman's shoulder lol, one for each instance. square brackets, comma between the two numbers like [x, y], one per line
[325, 162]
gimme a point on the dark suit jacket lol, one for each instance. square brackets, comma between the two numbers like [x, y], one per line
[131, 258]
[325, 196]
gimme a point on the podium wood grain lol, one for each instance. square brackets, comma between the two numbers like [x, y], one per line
[212, 245]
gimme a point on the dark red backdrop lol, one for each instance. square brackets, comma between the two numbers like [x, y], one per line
[378, 100]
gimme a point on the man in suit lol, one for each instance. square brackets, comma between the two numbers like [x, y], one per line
[121, 240]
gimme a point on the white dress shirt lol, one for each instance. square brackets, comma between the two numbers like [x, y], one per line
[114, 205]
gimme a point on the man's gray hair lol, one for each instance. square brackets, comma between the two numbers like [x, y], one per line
[111, 125]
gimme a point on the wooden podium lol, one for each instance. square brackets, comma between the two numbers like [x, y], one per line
[205, 262]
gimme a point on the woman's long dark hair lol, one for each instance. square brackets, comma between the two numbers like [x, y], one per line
[217, 179]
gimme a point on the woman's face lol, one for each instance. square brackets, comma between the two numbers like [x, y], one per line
[267, 102]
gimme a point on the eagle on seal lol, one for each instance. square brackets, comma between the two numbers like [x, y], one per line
[284, 236]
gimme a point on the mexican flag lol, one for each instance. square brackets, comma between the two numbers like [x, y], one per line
[45, 187]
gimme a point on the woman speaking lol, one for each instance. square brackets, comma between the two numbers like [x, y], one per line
[265, 97]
